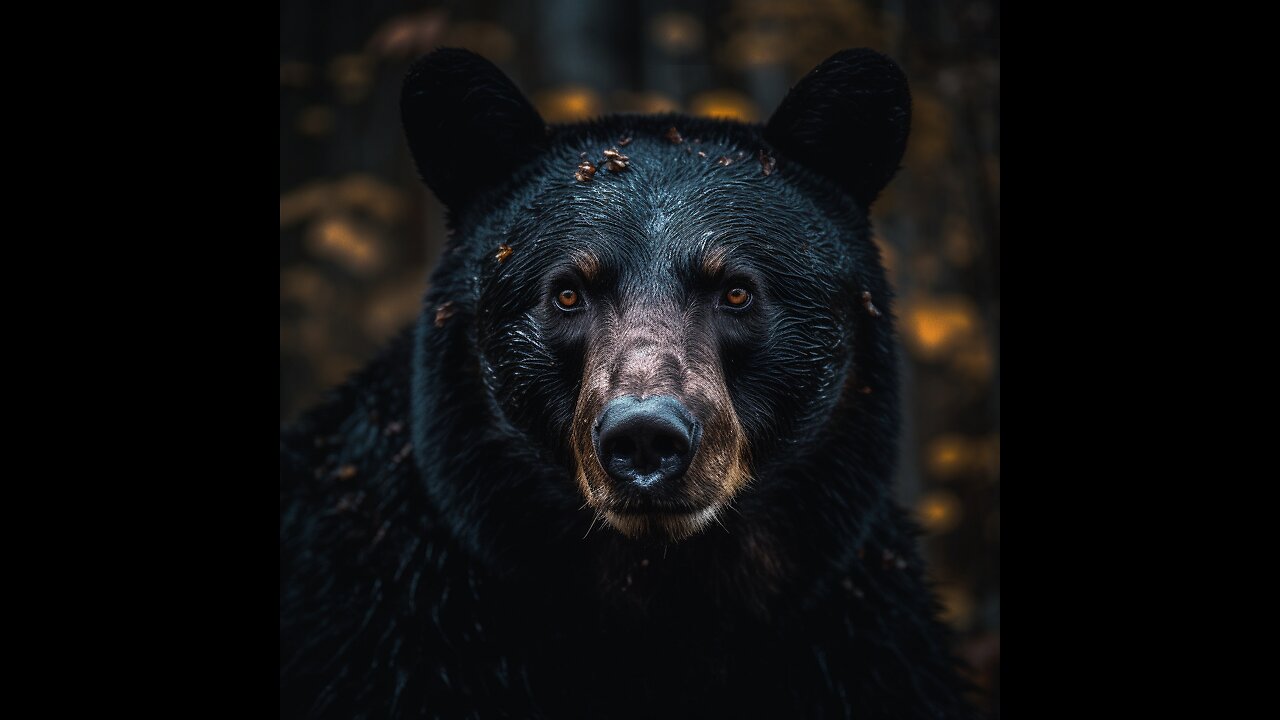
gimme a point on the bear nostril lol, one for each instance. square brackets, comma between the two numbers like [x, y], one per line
[645, 441]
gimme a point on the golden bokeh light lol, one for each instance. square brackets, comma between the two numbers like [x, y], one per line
[950, 456]
[940, 511]
[569, 103]
[937, 325]
[351, 244]
[728, 104]
[676, 32]
[644, 102]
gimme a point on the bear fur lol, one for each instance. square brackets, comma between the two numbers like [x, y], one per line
[437, 558]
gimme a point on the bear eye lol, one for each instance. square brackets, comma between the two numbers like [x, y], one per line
[737, 298]
[568, 299]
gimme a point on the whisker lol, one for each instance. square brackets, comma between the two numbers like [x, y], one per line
[593, 524]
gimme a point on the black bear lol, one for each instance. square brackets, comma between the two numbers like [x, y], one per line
[634, 458]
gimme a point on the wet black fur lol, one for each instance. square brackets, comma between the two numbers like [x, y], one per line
[433, 558]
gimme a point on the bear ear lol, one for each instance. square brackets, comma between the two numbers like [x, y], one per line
[468, 126]
[848, 119]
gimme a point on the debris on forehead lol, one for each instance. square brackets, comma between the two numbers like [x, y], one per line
[724, 160]
[443, 313]
[767, 163]
[504, 252]
[585, 172]
[624, 141]
[673, 135]
[701, 154]
[616, 161]
[872, 310]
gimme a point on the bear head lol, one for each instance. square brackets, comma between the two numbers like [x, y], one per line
[661, 317]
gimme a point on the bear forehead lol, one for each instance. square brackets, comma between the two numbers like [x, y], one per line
[664, 196]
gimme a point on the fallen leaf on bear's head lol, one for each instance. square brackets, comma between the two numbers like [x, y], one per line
[767, 163]
[586, 171]
[872, 310]
[701, 154]
[617, 162]
[724, 160]
[504, 252]
[674, 135]
[443, 313]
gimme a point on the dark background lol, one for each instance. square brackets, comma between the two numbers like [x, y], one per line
[359, 234]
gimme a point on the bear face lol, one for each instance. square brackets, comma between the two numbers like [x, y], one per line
[664, 310]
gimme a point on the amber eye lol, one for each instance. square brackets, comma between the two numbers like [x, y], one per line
[737, 298]
[567, 299]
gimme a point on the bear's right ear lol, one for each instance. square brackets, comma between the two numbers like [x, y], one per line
[468, 126]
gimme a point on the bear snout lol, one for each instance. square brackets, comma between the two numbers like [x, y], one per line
[646, 443]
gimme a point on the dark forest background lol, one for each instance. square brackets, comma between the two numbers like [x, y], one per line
[359, 234]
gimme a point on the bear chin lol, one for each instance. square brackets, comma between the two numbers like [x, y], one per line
[663, 527]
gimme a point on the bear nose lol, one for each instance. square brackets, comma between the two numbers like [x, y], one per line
[646, 441]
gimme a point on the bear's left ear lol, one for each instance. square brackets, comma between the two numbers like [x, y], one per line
[467, 124]
[848, 119]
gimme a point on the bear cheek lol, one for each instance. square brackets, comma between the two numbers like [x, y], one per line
[523, 379]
